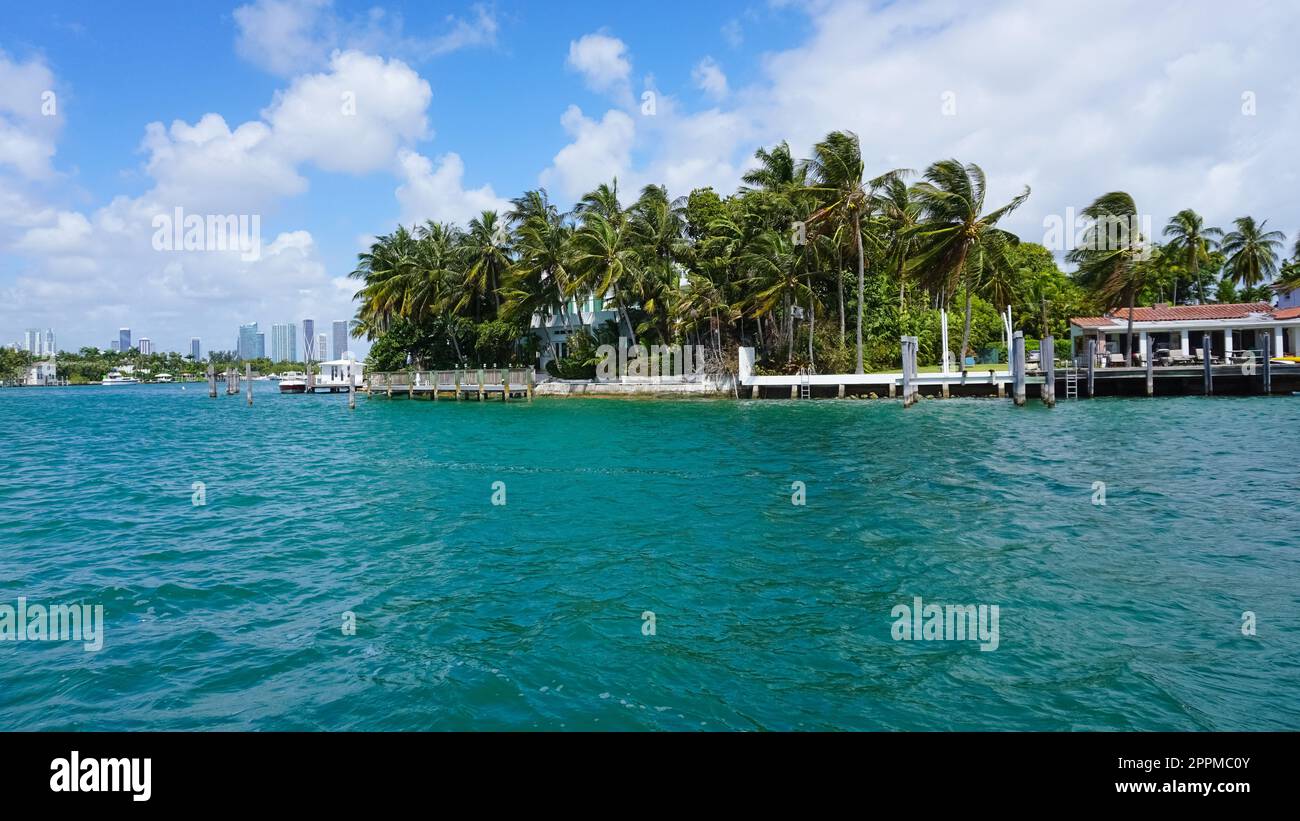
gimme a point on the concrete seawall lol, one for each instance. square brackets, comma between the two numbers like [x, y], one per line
[703, 388]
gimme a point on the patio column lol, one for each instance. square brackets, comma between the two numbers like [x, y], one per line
[1144, 343]
[1184, 336]
[1295, 341]
[1278, 344]
[1227, 343]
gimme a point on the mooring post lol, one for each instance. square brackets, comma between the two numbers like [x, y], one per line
[1151, 371]
[1047, 352]
[248, 377]
[1209, 368]
[1092, 368]
[530, 384]
[352, 389]
[907, 377]
[457, 379]
[505, 386]
[388, 384]
[480, 384]
[1266, 376]
[212, 381]
[410, 385]
[1018, 368]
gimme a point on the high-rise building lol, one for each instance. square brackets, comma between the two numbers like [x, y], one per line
[248, 341]
[309, 341]
[284, 343]
[124, 339]
[340, 338]
[115, 346]
[322, 345]
[39, 343]
[261, 346]
[146, 345]
[196, 350]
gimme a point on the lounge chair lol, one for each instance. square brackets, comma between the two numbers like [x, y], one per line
[1115, 360]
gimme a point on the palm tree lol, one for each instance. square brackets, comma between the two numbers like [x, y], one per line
[657, 228]
[1112, 269]
[835, 174]
[487, 256]
[604, 261]
[1252, 252]
[777, 171]
[1191, 241]
[537, 284]
[901, 213]
[773, 269]
[1290, 276]
[953, 227]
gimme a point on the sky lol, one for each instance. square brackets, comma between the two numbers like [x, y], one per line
[326, 122]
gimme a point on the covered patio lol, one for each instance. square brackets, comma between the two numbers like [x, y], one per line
[1174, 335]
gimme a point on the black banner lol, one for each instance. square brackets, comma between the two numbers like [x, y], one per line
[334, 771]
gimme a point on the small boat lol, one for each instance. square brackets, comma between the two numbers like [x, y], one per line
[164, 379]
[118, 378]
[293, 382]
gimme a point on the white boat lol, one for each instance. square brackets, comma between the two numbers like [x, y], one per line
[118, 378]
[164, 379]
[332, 378]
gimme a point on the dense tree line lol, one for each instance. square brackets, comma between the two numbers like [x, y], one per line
[814, 262]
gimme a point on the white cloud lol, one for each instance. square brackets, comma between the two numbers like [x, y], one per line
[1069, 108]
[600, 151]
[602, 61]
[353, 117]
[709, 78]
[287, 37]
[101, 266]
[438, 194]
[31, 117]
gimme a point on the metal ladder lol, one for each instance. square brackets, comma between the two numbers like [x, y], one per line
[1071, 381]
[805, 389]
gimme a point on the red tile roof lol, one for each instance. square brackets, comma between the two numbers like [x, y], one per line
[1287, 313]
[1167, 313]
[1176, 312]
[1092, 321]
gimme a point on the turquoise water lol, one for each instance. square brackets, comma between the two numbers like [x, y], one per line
[767, 615]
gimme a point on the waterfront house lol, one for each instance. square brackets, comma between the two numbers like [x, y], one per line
[42, 373]
[1180, 330]
[578, 314]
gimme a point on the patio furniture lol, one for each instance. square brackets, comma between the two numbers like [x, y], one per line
[1115, 360]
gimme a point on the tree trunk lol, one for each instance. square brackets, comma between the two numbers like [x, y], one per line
[1128, 337]
[857, 233]
[839, 277]
[812, 324]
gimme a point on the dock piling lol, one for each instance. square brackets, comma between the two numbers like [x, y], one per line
[1209, 366]
[1047, 353]
[1266, 372]
[1151, 372]
[212, 381]
[911, 391]
[352, 390]
[248, 377]
[1018, 368]
[1092, 368]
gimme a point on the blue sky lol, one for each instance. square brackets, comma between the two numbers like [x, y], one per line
[231, 107]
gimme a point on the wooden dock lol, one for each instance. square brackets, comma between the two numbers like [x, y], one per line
[1020, 381]
[461, 384]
